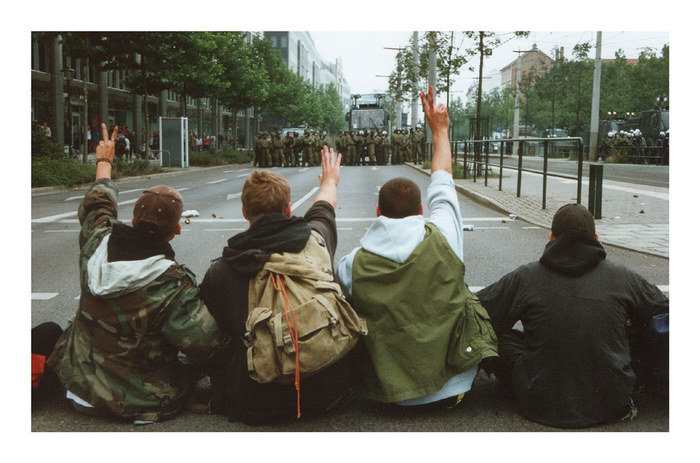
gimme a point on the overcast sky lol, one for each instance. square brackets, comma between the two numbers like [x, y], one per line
[365, 55]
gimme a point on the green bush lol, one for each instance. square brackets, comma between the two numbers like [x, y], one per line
[126, 168]
[204, 159]
[43, 147]
[221, 157]
[59, 172]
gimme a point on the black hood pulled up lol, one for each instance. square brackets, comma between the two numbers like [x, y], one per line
[573, 253]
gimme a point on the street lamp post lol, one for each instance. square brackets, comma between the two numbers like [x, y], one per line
[68, 77]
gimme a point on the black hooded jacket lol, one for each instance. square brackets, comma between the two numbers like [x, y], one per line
[575, 370]
[225, 292]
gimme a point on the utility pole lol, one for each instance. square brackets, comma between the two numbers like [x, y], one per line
[516, 115]
[414, 107]
[595, 105]
[477, 136]
[432, 75]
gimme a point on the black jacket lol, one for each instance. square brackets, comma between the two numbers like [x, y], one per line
[575, 370]
[225, 292]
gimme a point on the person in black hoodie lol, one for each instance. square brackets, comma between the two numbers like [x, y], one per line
[570, 366]
[267, 207]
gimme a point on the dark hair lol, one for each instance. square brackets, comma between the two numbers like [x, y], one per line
[399, 198]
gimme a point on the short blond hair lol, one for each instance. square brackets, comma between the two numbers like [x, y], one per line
[265, 193]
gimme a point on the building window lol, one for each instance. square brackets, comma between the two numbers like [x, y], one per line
[283, 42]
[273, 39]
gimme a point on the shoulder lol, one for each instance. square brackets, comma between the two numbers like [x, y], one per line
[179, 274]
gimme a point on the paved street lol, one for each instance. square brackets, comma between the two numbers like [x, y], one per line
[497, 245]
[635, 215]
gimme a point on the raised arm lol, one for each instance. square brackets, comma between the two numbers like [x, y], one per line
[330, 176]
[439, 122]
[104, 154]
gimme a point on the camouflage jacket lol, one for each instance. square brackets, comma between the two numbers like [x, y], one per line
[120, 351]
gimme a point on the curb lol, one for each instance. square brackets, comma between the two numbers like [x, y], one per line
[495, 205]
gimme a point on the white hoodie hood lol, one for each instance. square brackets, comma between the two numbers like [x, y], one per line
[394, 239]
[122, 277]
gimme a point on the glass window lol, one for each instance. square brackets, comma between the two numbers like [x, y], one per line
[283, 41]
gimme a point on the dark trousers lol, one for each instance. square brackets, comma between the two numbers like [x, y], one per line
[649, 354]
[44, 338]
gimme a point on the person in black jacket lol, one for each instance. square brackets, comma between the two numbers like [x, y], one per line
[273, 229]
[570, 366]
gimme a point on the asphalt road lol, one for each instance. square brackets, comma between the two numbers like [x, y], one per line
[496, 246]
[651, 175]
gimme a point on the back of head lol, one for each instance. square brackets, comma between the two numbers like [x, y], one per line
[158, 210]
[573, 218]
[265, 193]
[399, 198]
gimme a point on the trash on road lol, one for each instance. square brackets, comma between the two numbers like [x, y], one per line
[513, 216]
[190, 213]
[187, 221]
[468, 228]
[213, 215]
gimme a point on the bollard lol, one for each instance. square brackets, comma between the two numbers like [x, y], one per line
[595, 190]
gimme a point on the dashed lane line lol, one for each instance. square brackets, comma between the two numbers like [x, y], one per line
[217, 181]
[43, 296]
[306, 196]
[232, 196]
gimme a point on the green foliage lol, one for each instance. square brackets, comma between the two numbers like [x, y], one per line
[134, 167]
[59, 172]
[43, 147]
[562, 96]
[221, 157]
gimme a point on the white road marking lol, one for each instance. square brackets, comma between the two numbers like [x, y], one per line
[53, 218]
[61, 231]
[233, 195]
[304, 169]
[306, 196]
[121, 193]
[242, 175]
[217, 181]
[43, 296]
[531, 228]
[486, 219]
[223, 229]
[491, 228]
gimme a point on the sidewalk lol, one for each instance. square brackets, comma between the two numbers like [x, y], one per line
[634, 217]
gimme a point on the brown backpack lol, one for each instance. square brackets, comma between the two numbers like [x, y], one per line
[298, 319]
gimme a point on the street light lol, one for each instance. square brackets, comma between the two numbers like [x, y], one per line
[68, 77]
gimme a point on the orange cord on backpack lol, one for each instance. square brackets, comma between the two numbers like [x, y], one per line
[278, 284]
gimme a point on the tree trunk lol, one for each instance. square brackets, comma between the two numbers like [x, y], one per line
[86, 121]
[477, 146]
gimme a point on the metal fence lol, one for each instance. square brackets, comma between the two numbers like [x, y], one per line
[475, 155]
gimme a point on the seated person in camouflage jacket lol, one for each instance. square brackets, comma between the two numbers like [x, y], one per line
[138, 307]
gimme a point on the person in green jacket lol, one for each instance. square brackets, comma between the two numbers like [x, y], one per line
[427, 333]
[138, 307]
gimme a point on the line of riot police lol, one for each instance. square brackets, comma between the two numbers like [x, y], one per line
[370, 147]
